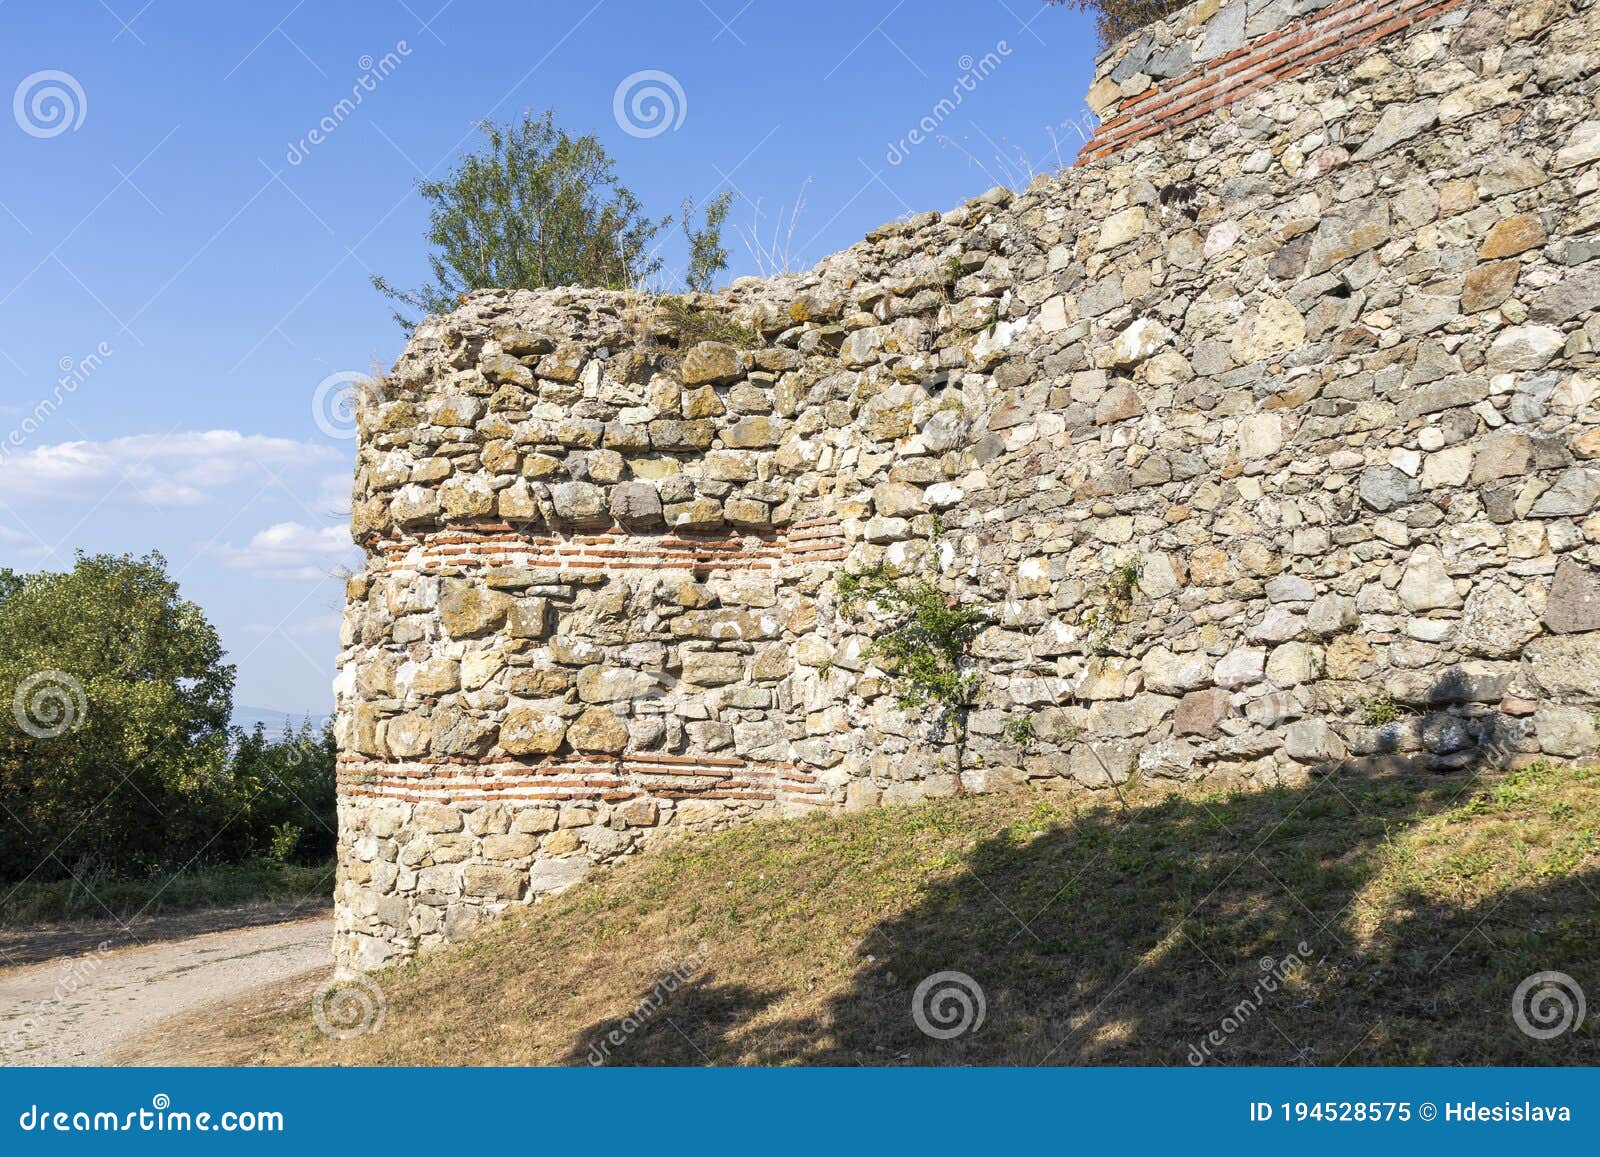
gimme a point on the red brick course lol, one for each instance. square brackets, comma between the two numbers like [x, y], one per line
[484, 545]
[574, 778]
[1284, 52]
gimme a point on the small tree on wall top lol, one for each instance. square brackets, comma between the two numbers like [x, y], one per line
[925, 639]
[537, 207]
[1114, 19]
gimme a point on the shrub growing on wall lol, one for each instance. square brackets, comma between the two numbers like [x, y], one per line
[1114, 19]
[539, 207]
[924, 638]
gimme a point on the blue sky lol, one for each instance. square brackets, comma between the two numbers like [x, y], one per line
[184, 264]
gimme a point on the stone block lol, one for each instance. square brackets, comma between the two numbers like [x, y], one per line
[1313, 741]
[1573, 604]
[599, 731]
[1199, 712]
[493, 882]
[1569, 732]
[529, 732]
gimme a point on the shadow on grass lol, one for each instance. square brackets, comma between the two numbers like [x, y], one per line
[1237, 929]
[670, 1025]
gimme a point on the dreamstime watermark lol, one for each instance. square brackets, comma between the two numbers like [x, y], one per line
[1547, 1004]
[160, 1117]
[48, 704]
[336, 402]
[1273, 974]
[373, 73]
[645, 1011]
[948, 1004]
[649, 103]
[74, 373]
[642, 337]
[76, 975]
[49, 103]
[348, 1006]
[973, 73]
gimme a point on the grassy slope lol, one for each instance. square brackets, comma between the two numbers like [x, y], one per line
[1101, 931]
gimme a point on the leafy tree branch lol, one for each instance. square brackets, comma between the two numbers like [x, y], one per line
[924, 638]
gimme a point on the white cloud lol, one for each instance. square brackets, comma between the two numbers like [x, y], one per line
[318, 626]
[333, 494]
[22, 545]
[182, 469]
[290, 550]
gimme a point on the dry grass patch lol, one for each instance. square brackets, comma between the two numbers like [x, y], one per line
[1100, 931]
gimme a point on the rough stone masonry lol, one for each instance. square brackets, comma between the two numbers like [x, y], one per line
[1308, 341]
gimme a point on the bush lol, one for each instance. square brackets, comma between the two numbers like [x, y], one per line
[116, 759]
[286, 787]
[113, 725]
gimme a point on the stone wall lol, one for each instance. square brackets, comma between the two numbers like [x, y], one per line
[1319, 364]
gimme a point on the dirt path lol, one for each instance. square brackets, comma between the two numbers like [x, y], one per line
[33, 943]
[78, 1010]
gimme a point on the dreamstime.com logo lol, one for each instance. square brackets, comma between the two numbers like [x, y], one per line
[349, 1006]
[336, 403]
[160, 1117]
[1547, 1004]
[49, 704]
[49, 103]
[649, 103]
[1273, 975]
[948, 1004]
[76, 973]
[75, 372]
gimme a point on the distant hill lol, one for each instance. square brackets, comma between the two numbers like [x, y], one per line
[246, 717]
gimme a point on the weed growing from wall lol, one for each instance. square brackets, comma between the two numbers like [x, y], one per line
[695, 323]
[1111, 607]
[924, 638]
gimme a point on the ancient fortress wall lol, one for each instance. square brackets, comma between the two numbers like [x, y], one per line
[1309, 338]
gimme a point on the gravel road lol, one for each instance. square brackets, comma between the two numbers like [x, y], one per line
[79, 1009]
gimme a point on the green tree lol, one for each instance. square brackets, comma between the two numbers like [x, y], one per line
[707, 255]
[539, 207]
[114, 705]
[287, 787]
[1114, 19]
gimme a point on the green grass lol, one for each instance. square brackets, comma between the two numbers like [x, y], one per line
[92, 896]
[1380, 710]
[1100, 931]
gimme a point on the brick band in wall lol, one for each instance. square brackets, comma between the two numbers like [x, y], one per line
[1277, 55]
[576, 777]
[485, 545]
